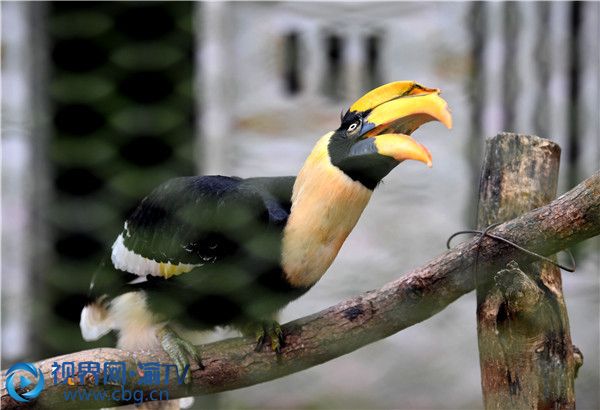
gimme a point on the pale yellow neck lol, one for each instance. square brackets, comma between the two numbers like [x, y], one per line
[326, 205]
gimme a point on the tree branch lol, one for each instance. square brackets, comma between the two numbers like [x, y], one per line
[371, 316]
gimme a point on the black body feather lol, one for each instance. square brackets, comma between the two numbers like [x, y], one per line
[233, 227]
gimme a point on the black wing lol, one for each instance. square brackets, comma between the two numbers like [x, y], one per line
[198, 220]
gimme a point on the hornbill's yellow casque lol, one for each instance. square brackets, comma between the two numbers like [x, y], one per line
[213, 250]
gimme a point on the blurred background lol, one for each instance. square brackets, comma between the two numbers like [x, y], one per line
[102, 101]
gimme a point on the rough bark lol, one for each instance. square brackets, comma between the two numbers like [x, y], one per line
[525, 348]
[369, 317]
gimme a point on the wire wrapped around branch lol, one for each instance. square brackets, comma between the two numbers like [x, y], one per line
[486, 232]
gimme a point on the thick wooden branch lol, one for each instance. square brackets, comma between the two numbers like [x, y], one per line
[369, 317]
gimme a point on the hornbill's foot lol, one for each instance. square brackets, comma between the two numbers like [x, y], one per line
[269, 331]
[179, 350]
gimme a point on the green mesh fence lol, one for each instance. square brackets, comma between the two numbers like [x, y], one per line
[123, 121]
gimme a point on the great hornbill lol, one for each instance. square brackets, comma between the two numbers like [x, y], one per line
[204, 251]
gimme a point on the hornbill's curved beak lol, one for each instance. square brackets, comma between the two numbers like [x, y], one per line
[391, 113]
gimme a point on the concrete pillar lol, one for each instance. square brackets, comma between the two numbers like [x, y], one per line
[24, 138]
[314, 59]
[214, 85]
[355, 64]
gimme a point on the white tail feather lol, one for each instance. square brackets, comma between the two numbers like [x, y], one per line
[95, 322]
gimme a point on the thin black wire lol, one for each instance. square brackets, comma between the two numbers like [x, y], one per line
[485, 233]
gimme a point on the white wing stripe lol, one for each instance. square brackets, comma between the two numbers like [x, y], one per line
[129, 261]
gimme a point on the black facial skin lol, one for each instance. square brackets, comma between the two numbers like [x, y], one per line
[356, 155]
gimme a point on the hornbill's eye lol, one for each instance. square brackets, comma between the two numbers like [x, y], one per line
[353, 128]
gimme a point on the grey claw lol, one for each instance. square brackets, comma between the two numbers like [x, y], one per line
[269, 331]
[180, 351]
